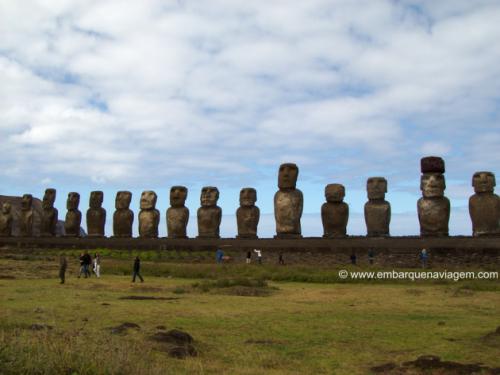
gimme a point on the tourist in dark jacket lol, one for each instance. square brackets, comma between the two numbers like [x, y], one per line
[87, 262]
[137, 269]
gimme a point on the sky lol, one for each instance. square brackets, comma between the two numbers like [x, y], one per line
[143, 95]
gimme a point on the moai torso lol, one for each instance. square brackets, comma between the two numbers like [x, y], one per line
[26, 217]
[434, 216]
[49, 214]
[377, 209]
[209, 214]
[484, 205]
[96, 215]
[288, 203]
[335, 212]
[149, 216]
[123, 217]
[178, 213]
[73, 216]
[247, 215]
[433, 208]
[6, 221]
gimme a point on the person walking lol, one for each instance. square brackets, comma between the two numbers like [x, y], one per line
[87, 262]
[249, 257]
[219, 255]
[259, 255]
[424, 256]
[63, 265]
[137, 270]
[281, 260]
[97, 265]
[353, 258]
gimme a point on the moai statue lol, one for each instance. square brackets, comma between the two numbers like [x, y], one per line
[49, 214]
[248, 214]
[433, 208]
[288, 203]
[335, 212]
[73, 216]
[377, 209]
[209, 214]
[178, 213]
[123, 218]
[484, 206]
[149, 216]
[6, 221]
[96, 215]
[26, 217]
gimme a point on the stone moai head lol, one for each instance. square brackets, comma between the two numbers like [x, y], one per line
[73, 201]
[287, 176]
[178, 196]
[123, 199]
[334, 193]
[376, 187]
[432, 185]
[483, 182]
[432, 182]
[6, 207]
[148, 200]
[209, 196]
[49, 198]
[96, 198]
[26, 202]
[248, 197]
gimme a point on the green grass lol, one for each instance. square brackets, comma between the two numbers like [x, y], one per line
[294, 327]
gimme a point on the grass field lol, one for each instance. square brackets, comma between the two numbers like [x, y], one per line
[243, 320]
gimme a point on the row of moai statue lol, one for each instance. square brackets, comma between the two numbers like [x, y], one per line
[433, 209]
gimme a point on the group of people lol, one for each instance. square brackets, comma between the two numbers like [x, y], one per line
[86, 262]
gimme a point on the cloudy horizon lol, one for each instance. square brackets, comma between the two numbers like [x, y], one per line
[107, 95]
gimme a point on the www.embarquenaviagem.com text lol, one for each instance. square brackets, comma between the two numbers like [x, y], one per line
[418, 275]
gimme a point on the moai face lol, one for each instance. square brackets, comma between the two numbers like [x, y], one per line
[49, 198]
[287, 176]
[26, 202]
[334, 193]
[178, 195]
[122, 200]
[148, 200]
[248, 197]
[6, 207]
[209, 196]
[73, 201]
[96, 198]
[483, 182]
[432, 185]
[376, 187]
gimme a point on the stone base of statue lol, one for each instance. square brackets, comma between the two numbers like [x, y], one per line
[287, 236]
[247, 236]
[335, 235]
[208, 235]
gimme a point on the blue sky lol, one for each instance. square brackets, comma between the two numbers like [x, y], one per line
[107, 95]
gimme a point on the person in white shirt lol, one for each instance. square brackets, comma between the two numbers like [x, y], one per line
[97, 265]
[259, 255]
